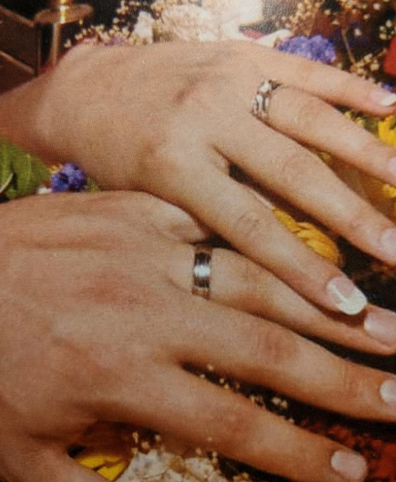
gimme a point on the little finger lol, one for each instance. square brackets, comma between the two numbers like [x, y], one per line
[212, 418]
[262, 353]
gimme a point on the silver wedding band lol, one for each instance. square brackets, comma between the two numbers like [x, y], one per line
[262, 100]
[202, 271]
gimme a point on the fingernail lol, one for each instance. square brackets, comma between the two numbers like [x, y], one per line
[388, 243]
[381, 325]
[348, 299]
[349, 465]
[388, 392]
[383, 98]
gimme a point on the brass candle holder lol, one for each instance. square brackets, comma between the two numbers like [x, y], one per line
[55, 25]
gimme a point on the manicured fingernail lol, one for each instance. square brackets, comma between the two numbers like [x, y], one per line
[349, 465]
[388, 392]
[383, 98]
[381, 325]
[348, 299]
[388, 243]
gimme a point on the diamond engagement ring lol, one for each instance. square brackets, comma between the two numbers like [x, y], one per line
[262, 100]
[202, 271]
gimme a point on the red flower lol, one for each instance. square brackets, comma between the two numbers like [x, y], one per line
[390, 59]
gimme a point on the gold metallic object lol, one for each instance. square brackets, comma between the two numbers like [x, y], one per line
[55, 25]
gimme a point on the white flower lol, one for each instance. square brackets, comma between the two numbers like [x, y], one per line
[163, 466]
[190, 22]
[144, 27]
[44, 190]
[273, 38]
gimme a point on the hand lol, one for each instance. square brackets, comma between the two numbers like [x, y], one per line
[98, 322]
[169, 119]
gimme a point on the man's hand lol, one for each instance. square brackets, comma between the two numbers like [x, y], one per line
[97, 323]
[169, 119]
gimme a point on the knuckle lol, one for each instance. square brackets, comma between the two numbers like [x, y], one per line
[293, 169]
[251, 226]
[376, 149]
[273, 347]
[194, 91]
[250, 280]
[358, 220]
[346, 86]
[308, 72]
[308, 112]
[237, 420]
[161, 155]
[351, 384]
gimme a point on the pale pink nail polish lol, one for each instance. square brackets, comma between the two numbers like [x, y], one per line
[388, 392]
[347, 298]
[349, 465]
[381, 325]
[383, 98]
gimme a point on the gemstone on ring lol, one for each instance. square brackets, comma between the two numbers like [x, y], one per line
[262, 100]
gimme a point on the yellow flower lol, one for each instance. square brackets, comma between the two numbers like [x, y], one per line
[312, 237]
[108, 449]
[389, 191]
[387, 131]
[387, 134]
[110, 466]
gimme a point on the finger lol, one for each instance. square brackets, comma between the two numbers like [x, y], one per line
[294, 173]
[329, 83]
[211, 418]
[170, 220]
[241, 284]
[239, 217]
[52, 465]
[312, 121]
[65, 469]
[262, 353]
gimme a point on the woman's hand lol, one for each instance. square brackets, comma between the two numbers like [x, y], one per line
[98, 321]
[169, 119]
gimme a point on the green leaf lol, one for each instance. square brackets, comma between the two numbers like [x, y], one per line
[92, 186]
[5, 186]
[5, 165]
[27, 171]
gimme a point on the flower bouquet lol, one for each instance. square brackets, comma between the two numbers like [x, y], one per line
[352, 35]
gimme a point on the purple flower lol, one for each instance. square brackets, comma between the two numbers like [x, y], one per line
[316, 48]
[69, 178]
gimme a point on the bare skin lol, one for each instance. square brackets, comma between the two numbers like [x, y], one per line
[97, 325]
[104, 282]
[168, 119]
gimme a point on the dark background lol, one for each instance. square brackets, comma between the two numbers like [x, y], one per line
[104, 9]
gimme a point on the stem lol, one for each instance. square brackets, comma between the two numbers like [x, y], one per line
[347, 46]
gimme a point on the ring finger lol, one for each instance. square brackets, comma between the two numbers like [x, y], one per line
[237, 282]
